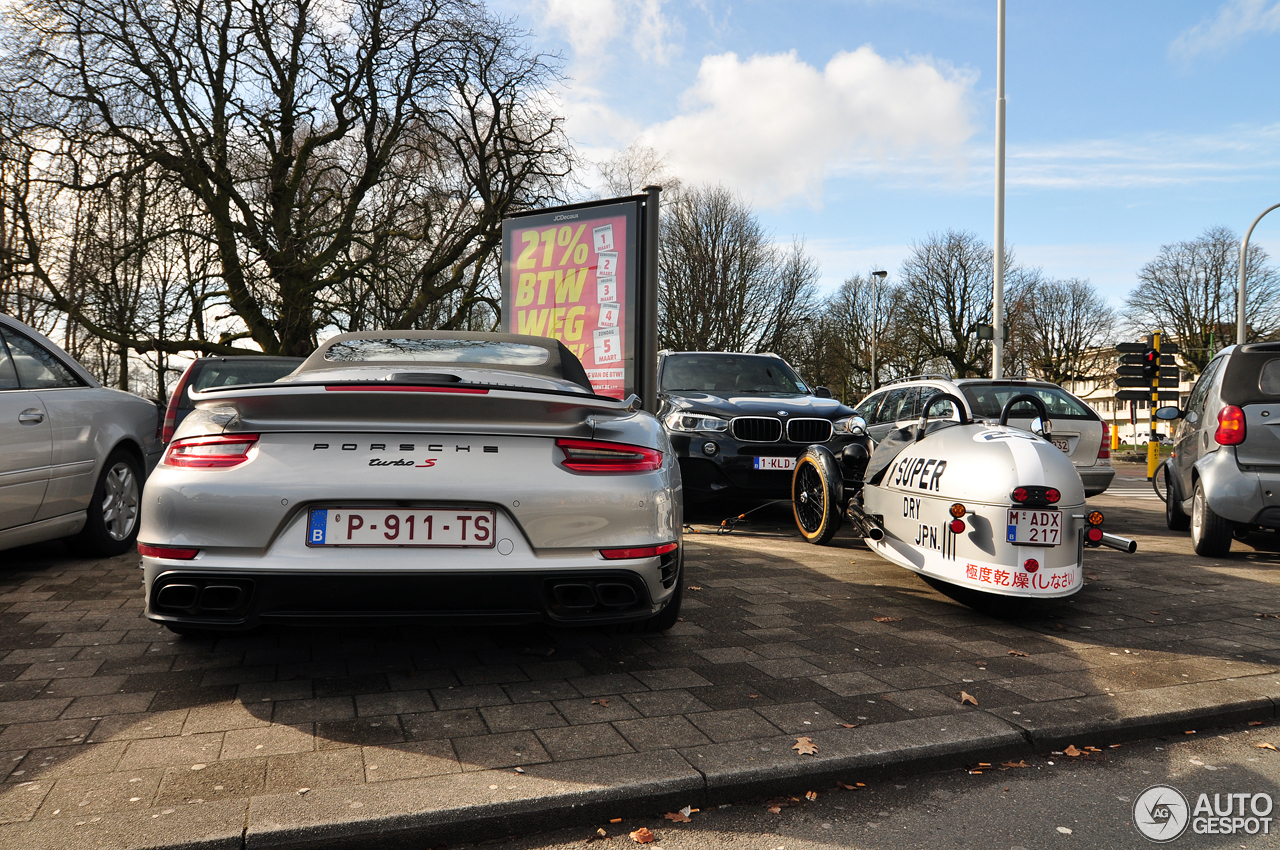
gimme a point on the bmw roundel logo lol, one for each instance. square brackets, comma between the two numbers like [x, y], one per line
[782, 413]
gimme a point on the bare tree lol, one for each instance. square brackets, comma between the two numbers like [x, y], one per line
[1059, 325]
[946, 293]
[1189, 291]
[356, 140]
[724, 285]
[629, 171]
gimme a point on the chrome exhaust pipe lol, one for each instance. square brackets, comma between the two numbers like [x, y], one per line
[875, 532]
[1124, 544]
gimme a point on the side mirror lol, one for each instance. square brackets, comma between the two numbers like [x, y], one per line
[1169, 413]
[822, 392]
[854, 425]
[1043, 427]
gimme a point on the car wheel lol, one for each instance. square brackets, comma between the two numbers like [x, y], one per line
[1210, 533]
[813, 499]
[112, 524]
[1174, 516]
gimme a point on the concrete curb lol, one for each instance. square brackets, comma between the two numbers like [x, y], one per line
[481, 804]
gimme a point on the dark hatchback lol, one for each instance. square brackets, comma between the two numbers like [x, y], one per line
[207, 372]
[738, 422]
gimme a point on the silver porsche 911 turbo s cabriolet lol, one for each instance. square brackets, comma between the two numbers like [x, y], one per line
[413, 474]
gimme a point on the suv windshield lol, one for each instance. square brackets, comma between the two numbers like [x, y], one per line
[987, 400]
[730, 373]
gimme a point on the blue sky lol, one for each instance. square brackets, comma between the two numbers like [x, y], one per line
[864, 125]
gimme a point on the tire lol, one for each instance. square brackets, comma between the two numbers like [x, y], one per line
[1174, 516]
[114, 509]
[667, 617]
[1210, 534]
[815, 498]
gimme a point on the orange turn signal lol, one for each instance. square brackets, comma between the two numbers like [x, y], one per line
[1095, 518]
[958, 510]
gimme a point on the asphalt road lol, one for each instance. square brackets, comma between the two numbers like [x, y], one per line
[1055, 801]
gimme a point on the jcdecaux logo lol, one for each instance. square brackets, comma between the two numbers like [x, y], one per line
[1161, 813]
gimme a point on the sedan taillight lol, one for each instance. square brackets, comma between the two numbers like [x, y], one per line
[1230, 426]
[1104, 448]
[170, 422]
[595, 456]
[219, 452]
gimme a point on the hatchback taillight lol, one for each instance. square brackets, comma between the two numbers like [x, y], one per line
[1230, 426]
[220, 452]
[595, 456]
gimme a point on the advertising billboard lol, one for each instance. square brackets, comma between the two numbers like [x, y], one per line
[574, 274]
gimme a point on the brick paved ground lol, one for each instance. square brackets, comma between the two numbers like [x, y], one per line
[106, 719]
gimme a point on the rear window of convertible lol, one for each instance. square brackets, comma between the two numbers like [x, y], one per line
[987, 400]
[480, 352]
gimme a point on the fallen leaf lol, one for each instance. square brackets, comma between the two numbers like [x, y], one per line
[1016, 653]
[887, 619]
[1019, 763]
[811, 796]
[773, 810]
[1093, 576]
[601, 702]
[1255, 722]
[851, 725]
[678, 817]
[615, 820]
[643, 836]
[694, 587]
[1265, 746]
[1072, 751]
[840, 784]
[805, 747]
[966, 697]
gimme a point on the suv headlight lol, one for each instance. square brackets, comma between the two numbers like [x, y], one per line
[855, 425]
[679, 420]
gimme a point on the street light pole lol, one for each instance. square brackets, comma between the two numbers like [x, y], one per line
[997, 300]
[877, 278]
[1244, 251]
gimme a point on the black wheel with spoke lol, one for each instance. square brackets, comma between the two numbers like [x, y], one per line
[815, 496]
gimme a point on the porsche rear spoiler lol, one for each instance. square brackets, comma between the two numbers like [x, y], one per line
[380, 405]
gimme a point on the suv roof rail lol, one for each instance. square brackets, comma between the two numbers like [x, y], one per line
[920, 378]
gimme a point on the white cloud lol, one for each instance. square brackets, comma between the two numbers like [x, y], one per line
[591, 27]
[775, 127]
[1235, 19]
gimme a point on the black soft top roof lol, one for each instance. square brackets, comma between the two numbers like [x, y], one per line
[561, 363]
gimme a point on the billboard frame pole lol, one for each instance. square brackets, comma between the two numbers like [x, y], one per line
[647, 367]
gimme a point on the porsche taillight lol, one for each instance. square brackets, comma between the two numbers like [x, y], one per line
[1230, 426]
[597, 456]
[639, 551]
[167, 552]
[170, 422]
[222, 451]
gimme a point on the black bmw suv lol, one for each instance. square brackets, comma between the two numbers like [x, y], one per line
[739, 421]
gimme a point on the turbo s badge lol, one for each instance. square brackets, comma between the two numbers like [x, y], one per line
[918, 472]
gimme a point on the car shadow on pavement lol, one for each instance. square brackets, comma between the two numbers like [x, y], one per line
[104, 712]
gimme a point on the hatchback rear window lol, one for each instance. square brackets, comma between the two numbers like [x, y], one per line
[480, 352]
[987, 400]
[1269, 379]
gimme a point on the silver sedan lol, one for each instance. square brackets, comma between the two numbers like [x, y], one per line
[73, 454]
[412, 474]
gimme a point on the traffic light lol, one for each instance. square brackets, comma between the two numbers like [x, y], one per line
[1151, 364]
